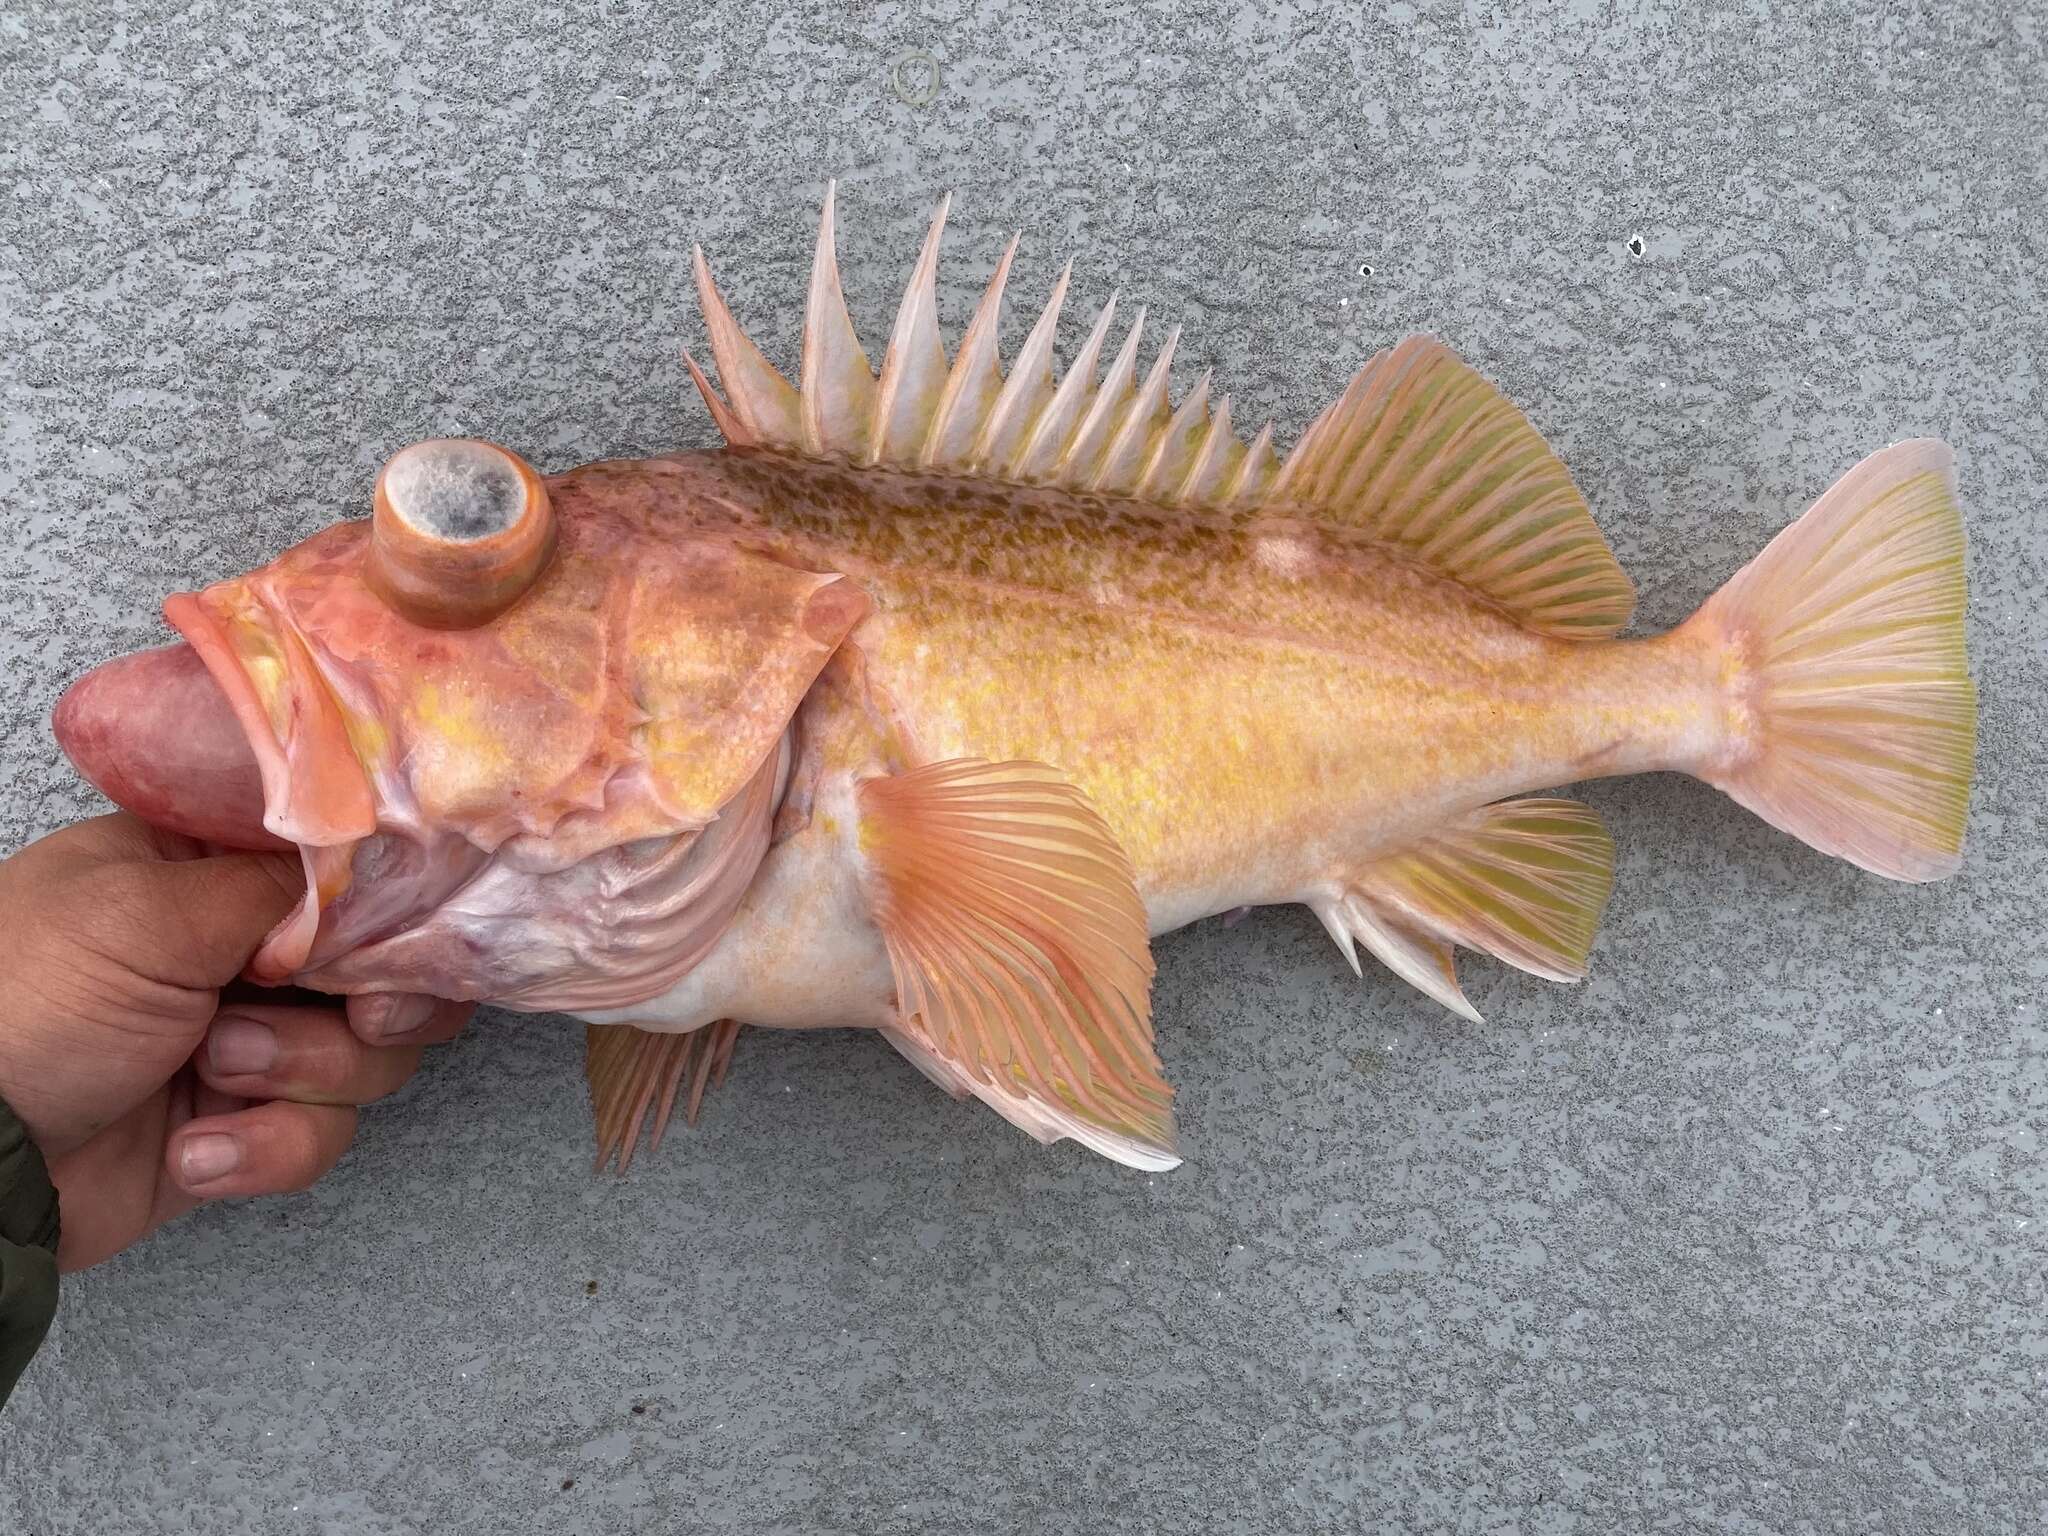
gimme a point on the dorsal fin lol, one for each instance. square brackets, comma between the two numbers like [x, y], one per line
[970, 418]
[1420, 452]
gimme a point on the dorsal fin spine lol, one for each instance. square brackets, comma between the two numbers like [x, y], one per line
[761, 398]
[1047, 434]
[1418, 452]
[971, 388]
[914, 367]
[838, 389]
[1017, 403]
[1172, 451]
[1129, 445]
[1253, 472]
[1205, 467]
[1078, 458]
[730, 427]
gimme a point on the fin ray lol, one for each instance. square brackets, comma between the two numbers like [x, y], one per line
[761, 398]
[1522, 880]
[1018, 942]
[914, 367]
[1037, 456]
[1028, 387]
[636, 1073]
[1173, 453]
[1105, 408]
[1853, 677]
[837, 396]
[1419, 451]
[1141, 418]
[1423, 453]
[971, 390]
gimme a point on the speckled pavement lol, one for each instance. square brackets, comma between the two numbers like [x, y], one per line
[1746, 1234]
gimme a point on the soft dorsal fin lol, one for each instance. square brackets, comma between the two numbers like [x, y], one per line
[1423, 453]
[1521, 880]
[1020, 952]
[1420, 452]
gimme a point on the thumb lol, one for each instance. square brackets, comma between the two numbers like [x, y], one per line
[212, 913]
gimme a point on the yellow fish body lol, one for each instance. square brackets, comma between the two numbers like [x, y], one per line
[927, 700]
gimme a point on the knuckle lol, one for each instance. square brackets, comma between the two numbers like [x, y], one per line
[328, 1061]
[303, 1146]
[394, 1066]
[334, 1067]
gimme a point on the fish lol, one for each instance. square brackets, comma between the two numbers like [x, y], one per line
[933, 694]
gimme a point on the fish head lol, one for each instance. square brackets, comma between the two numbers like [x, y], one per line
[528, 736]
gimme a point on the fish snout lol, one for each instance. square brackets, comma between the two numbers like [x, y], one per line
[154, 733]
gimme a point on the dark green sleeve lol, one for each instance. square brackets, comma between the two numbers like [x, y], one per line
[28, 1250]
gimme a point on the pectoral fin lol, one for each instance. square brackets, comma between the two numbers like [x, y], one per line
[1020, 952]
[1524, 880]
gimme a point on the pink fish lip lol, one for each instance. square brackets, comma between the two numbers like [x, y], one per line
[153, 732]
[315, 791]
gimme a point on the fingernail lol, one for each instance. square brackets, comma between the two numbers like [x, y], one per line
[237, 1045]
[205, 1158]
[384, 1014]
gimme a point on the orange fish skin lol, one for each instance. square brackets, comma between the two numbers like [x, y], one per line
[1257, 705]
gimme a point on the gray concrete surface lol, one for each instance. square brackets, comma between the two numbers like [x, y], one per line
[1747, 1234]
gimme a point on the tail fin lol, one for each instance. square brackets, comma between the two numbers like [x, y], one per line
[1853, 694]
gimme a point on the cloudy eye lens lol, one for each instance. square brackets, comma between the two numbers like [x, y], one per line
[455, 490]
[462, 528]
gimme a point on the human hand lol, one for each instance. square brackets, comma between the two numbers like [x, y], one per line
[145, 1092]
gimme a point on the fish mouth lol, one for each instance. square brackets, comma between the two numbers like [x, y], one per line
[187, 738]
[316, 794]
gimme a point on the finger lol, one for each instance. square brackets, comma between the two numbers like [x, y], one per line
[409, 1018]
[224, 906]
[190, 923]
[304, 1054]
[270, 1149]
[119, 835]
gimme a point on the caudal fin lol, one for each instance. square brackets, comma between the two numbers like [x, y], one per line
[1855, 718]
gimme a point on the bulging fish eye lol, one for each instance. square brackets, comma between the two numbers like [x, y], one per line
[460, 531]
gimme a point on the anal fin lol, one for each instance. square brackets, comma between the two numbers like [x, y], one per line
[1020, 952]
[1523, 880]
[636, 1072]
